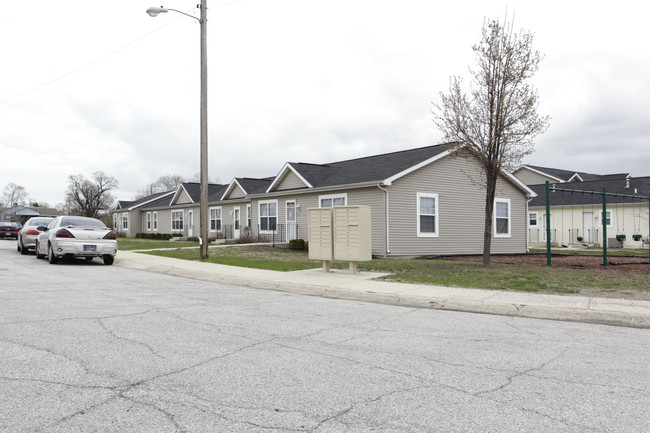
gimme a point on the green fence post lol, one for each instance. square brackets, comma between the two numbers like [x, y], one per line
[548, 225]
[604, 219]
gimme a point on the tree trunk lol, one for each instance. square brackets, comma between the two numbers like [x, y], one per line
[490, 190]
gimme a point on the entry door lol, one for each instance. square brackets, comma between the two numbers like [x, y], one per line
[588, 227]
[190, 223]
[291, 221]
[237, 222]
[544, 228]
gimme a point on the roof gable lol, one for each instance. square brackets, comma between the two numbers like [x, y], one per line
[234, 190]
[288, 168]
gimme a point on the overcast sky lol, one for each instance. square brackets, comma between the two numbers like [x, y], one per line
[89, 85]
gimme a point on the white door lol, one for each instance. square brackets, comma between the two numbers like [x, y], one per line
[237, 222]
[544, 228]
[190, 223]
[588, 227]
[291, 221]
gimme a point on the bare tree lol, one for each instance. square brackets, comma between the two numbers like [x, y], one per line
[498, 121]
[14, 195]
[168, 182]
[89, 197]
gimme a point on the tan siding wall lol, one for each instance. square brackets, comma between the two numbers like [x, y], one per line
[461, 211]
[236, 192]
[183, 198]
[531, 178]
[290, 181]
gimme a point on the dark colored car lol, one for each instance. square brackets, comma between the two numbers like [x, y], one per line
[9, 229]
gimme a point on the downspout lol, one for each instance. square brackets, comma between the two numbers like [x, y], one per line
[386, 219]
[526, 228]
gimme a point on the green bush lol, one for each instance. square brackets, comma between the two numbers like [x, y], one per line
[297, 244]
[156, 236]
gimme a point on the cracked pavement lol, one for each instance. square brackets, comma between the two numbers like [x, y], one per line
[91, 348]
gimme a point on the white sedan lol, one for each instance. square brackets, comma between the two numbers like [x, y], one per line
[76, 236]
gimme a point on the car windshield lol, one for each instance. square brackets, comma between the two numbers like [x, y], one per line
[38, 222]
[82, 222]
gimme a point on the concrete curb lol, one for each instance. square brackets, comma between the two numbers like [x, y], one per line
[620, 312]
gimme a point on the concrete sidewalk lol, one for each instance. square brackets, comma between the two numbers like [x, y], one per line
[362, 287]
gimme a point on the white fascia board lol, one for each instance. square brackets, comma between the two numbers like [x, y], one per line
[574, 176]
[424, 163]
[514, 179]
[178, 191]
[233, 183]
[543, 174]
[152, 200]
[287, 166]
[333, 189]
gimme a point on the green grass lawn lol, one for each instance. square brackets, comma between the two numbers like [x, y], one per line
[127, 244]
[526, 278]
[613, 252]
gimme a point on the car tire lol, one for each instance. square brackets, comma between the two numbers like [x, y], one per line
[50, 255]
[22, 248]
[108, 260]
[18, 246]
[38, 255]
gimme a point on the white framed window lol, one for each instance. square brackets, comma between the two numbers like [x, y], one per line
[215, 219]
[427, 206]
[148, 221]
[155, 221]
[532, 219]
[502, 217]
[249, 217]
[331, 200]
[115, 221]
[125, 221]
[268, 215]
[177, 220]
[608, 218]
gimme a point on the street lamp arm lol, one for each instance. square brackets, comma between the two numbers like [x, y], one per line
[154, 11]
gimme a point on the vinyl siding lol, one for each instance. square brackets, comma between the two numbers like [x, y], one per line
[183, 198]
[236, 192]
[531, 178]
[461, 204]
[290, 181]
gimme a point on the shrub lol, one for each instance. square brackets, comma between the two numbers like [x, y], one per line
[297, 244]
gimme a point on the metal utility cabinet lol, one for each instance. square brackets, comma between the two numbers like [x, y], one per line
[340, 233]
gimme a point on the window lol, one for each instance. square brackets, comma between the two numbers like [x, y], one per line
[215, 219]
[502, 217]
[532, 219]
[155, 221]
[148, 221]
[608, 219]
[268, 215]
[125, 221]
[427, 214]
[332, 200]
[115, 221]
[248, 215]
[177, 220]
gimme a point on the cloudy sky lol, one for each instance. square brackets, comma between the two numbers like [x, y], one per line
[89, 85]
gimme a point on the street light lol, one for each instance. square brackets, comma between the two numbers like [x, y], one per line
[203, 210]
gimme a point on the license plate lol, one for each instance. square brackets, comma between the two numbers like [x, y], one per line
[90, 248]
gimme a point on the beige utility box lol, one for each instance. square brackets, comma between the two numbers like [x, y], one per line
[352, 233]
[321, 245]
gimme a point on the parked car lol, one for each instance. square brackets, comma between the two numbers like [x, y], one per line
[76, 236]
[28, 234]
[9, 229]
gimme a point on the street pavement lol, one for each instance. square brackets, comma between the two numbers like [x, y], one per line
[91, 348]
[363, 287]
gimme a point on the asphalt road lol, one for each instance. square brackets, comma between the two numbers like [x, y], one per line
[91, 348]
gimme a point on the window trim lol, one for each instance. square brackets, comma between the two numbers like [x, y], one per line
[494, 218]
[219, 219]
[125, 220]
[148, 221]
[436, 215]
[611, 215]
[536, 225]
[249, 215]
[343, 195]
[154, 221]
[182, 220]
[259, 215]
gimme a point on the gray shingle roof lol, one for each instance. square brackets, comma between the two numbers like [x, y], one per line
[616, 186]
[254, 186]
[565, 175]
[368, 169]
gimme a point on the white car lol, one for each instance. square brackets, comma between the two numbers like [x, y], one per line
[28, 234]
[76, 236]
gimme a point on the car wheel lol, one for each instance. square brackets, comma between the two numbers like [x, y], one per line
[50, 255]
[108, 260]
[18, 246]
[22, 248]
[37, 250]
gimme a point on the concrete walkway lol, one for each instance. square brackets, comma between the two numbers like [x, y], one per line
[362, 287]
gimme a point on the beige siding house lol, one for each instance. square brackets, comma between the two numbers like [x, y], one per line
[423, 201]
